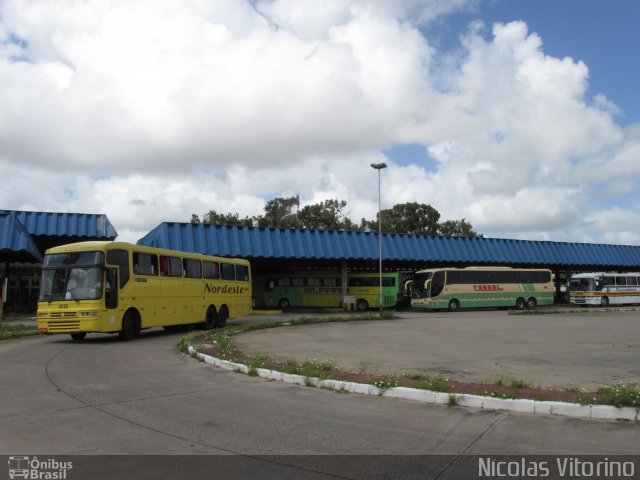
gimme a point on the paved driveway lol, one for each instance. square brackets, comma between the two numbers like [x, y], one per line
[585, 350]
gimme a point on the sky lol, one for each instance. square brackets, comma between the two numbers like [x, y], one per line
[520, 116]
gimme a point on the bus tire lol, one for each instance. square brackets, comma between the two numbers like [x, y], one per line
[531, 303]
[223, 315]
[78, 336]
[210, 319]
[362, 305]
[129, 329]
[604, 302]
[284, 303]
[520, 303]
[454, 305]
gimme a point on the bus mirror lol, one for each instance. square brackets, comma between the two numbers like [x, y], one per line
[410, 288]
[271, 285]
[111, 288]
[427, 285]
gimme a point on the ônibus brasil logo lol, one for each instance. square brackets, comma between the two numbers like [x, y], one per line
[37, 469]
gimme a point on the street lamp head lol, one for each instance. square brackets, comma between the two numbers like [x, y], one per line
[379, 166]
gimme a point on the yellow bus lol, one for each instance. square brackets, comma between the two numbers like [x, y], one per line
[118, 287]
[315, 289]
[472, 287]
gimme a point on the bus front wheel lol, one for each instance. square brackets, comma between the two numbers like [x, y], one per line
[604, 302]
[362, 305]
[284, 303]
[454, 305]
[520, 304]
[78, 336]
[129, 327]
[531, 303]
[210, 318]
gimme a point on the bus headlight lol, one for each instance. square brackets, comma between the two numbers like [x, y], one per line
[43, 314]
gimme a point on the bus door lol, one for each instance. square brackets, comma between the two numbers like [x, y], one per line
[437, 284]
[111, 288]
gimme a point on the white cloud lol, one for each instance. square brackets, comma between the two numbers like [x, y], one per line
[150, 111]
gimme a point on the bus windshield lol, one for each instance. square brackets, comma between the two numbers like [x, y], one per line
[72, 276]
[420, 281]
[586, 284]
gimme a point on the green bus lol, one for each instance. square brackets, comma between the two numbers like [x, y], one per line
[473, 287]
[313, 289]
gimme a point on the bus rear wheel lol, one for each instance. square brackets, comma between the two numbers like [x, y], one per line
[531, 303]
[520, 303]
[78, 336]
[604, 302]
[454, 305]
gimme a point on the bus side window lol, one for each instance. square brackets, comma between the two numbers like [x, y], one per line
[145, 263]
[164, 266]
[228, 271]
[211, 270]
[242, 273]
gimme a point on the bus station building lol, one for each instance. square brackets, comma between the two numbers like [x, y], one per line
[25, 236]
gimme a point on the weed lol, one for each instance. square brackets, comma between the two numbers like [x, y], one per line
[385, 383]
[454, 400]
[503, 381]
[494, 394]
[622, 395]
[252, 371]
[316, 368]
[439, 384]
[367, 367]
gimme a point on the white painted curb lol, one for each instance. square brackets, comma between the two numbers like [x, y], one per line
[575, 410]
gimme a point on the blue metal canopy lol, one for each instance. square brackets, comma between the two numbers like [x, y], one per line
[56, 224]
[16, 244]
[24, 236]
[292, 244]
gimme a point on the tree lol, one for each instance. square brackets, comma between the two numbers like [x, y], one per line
[413, 218]
[326, 215]
[457, 228]
[420, 219]
[215, 218]
[280, 212]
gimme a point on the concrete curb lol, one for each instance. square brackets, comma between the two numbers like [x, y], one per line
[574, 410]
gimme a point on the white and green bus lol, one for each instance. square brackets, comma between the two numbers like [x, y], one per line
[473, 287]
[314, 289]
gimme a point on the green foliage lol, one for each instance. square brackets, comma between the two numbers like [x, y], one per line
[331, 214]
[327, 215]
[622, 395]
[385, 383]
[409, 217]
[457, 228]
[16, 331]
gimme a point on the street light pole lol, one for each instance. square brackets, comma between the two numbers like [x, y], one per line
[379, 166]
